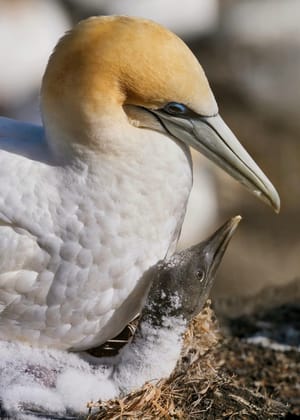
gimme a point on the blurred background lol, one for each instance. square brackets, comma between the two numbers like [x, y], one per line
[250, 50]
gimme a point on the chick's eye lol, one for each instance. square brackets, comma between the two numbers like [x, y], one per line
[200, 275]
[175, 108]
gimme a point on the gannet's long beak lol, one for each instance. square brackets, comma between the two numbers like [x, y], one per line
[213, 138]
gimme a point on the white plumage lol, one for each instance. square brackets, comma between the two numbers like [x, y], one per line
[75, 239]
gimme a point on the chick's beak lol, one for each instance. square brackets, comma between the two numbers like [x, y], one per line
[211, 251]
[217, 243]
[213, 138]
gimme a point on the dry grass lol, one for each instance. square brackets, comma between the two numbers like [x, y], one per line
[199, 388]
[178, 395]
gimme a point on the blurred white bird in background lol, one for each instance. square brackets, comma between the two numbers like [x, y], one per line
[199, 218]
[29, 30]
[191, 20]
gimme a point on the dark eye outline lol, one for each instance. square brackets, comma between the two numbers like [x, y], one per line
[176, 108]
[200, 275]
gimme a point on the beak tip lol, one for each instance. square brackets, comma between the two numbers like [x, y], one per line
[234, 222]
[276, 206]
[269, 195]
[237, 219]
[275, 201]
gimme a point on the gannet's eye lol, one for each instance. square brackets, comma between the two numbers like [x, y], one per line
[175, 108]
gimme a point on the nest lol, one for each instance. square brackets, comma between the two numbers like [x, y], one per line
[199, 387]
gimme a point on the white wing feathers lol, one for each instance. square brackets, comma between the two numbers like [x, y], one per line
[21, 257]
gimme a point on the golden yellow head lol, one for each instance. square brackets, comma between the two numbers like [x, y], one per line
[105, 61]
[115, 71]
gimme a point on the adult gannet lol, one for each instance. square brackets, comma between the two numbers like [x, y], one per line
[92, 200]
[53, 383]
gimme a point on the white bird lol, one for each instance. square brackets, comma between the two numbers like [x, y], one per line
[97, 196]
[58, 384]
[29, 31]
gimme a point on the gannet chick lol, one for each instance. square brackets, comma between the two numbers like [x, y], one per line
[58, 383]
[96, 197]
[179, 288]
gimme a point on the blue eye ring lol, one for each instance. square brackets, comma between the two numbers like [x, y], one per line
[176, 108]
